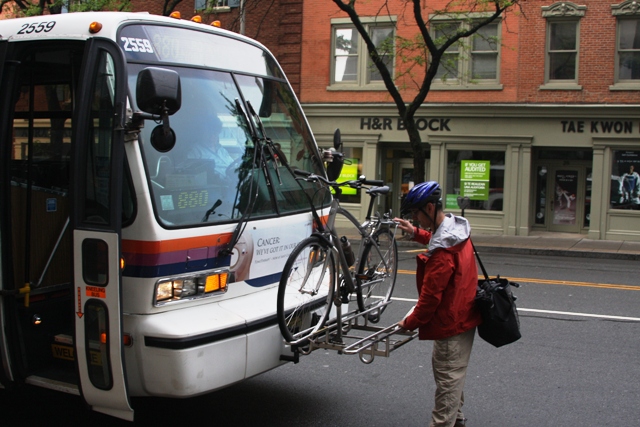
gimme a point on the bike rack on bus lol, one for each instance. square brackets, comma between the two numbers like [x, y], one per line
[355, 335]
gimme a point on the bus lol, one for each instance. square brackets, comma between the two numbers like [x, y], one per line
[148, 205]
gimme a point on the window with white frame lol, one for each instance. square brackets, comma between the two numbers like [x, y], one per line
[472, 61]
[562, 46]
[351, 66]
[562, 51]
[627, 43]
[215, 4]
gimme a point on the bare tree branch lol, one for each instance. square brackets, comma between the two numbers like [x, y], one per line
[428, 57]
[263, 17]
[169, 6]
[387, 78]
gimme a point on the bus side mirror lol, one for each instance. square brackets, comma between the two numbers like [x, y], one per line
[337, 140]
[159, 95]
[158, 91]
[334, 166]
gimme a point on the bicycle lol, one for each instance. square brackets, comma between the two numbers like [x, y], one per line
[321, 273]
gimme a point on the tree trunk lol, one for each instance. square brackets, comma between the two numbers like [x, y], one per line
[418, 149]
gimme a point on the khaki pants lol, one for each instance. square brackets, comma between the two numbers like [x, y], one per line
[449, 361]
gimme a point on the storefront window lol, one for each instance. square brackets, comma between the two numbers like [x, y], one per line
[587, 199]
[488, 199]
[625, 180]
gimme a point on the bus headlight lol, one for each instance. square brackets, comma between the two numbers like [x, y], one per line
[184, 288]
[164, 291]
[191, 287]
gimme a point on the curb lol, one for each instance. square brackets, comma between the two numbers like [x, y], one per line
[558, 252]
[538, 251]
[487, 247]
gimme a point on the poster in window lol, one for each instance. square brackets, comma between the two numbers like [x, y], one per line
[474, 179]
[566, 188]
[349, 173]
[625, 180]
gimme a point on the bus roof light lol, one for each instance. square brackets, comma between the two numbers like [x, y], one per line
[216, 24]
[197, 19]
[95, 27]
[175, 15]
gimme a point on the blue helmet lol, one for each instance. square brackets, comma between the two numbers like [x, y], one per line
[420, 195]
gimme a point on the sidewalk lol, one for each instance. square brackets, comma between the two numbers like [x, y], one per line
[558, 244]
[550, 244]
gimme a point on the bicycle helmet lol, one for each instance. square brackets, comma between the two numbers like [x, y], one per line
[420, 195]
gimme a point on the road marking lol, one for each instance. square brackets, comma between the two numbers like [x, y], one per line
[568, 313]
[558, 282]
[571, 283]
[565, 313]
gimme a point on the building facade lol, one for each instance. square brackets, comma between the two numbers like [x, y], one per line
[537, 119]
[276, 24]
[541, 109]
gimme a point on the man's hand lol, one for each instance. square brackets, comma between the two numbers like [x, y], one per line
[404, 225]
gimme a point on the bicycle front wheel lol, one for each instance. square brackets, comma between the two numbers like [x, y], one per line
[377, 273]
[305, 293]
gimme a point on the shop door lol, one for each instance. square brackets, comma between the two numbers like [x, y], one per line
[566, 190]
[404, 180]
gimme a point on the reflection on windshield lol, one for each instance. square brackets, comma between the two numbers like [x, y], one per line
[212, 174]
[164, 44]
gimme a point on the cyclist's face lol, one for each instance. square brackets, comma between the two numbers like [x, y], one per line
[424, 215]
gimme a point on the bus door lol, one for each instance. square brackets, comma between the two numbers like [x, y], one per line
[3, 53]
[5, 374]
[97, 182]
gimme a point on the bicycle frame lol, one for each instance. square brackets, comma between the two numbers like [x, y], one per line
[366, 230]
[328, 233]
[362, 275]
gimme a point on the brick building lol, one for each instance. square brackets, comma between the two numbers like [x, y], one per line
[276, 24]
[551, 111]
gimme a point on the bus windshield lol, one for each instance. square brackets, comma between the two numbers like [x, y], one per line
[212, 174]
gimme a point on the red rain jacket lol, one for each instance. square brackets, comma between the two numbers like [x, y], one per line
[446, 278]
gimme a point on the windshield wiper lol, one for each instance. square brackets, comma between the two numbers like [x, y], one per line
[206, 216]
[242, 222]
[267, 141]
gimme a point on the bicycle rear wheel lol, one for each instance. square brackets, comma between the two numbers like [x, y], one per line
[377, 273]
[305, 293]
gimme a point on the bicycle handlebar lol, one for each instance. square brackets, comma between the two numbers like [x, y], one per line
[309, 176]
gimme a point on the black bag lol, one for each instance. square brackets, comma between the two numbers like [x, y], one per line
[500, 322]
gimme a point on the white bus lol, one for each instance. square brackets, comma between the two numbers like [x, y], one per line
[148, 205]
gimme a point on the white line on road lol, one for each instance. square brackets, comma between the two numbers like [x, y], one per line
[568, 313]
[565, 313]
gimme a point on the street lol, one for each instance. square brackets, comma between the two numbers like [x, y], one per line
[577, 364]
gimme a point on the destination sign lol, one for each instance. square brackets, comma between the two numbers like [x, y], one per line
[154, 43]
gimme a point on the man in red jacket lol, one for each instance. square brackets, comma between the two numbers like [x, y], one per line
[446, 278]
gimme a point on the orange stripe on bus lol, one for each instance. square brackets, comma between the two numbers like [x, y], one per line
[146, 247]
